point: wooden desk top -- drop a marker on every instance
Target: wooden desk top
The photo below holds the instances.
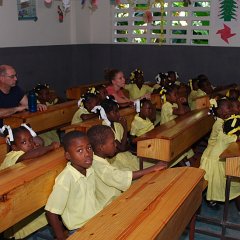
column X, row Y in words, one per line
column 170, row 140
column 157, row 206
column 54, row 116
column 25, row 186
column 232, row 151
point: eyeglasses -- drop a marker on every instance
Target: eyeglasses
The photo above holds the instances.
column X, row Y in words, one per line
column 11, row 76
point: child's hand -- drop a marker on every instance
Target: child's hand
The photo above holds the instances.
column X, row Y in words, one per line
column 55, row 145
column 182, row 100
column 147, row 96
column 160, row 166
column 123, row 122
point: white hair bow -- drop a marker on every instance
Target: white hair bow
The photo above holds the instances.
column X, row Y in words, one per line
column 9, row 137
column 103, row 114
column 137, row 105
column 33, row 134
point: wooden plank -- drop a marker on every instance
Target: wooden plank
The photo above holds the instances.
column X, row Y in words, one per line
column 55, row 116
column 158, row 206
column 170, row 140
column 25, row 187
column 3, row 149
column 202, row 102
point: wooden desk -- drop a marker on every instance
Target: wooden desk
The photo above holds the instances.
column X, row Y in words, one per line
column 168, row 141
column 128, row 113
column 77, row 91
column 202, row 102
column 25, row 187
column 158, row 206
column 55, row 116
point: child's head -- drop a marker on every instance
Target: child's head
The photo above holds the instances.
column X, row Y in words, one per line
column 136, row 76
column 89, row 101
column 161, row 78
column 78, row 150
column 170, row 91
column 193, row 84
column 102, row 140
column 233, row 93
column 222, row 109
column 111, row 109
column 172, row 76
column 205, row 85
column 116, row 77
column 101, row 92
column 146, row 108
column 232, row 125
column 20, row 139
column 235, row 106
column 43, row 92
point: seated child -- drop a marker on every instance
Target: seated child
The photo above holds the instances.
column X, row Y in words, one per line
column 45, row 95
column 173, row 78
column 86, row 103
column 173, row 105
column 235, row 106
column 143, row 121
column 161, row 80
column 204, row 87
column 101, row 92
column 110, row 180
column 23, row 147
column 73, row 196
column 215, row 166
column 193, row 83
column 233, row 93
column 137, row 89
column 221, row 110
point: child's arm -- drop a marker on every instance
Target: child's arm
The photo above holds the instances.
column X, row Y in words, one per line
column 159, row 166
column 56, row 224
column 122, row 146
column 88, row 116
column 37, row 152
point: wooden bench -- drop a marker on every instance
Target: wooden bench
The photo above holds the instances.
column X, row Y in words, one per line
column 128, row 113
column 55, row 116
column 77, row 91
column 202, row 102
column 158, row 206
column 168, row 141
column 25, row 186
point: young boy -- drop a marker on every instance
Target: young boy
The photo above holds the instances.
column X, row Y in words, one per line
column 110, row 181
column 73, row 196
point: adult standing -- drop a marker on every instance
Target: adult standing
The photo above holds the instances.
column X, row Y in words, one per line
column 12, row 97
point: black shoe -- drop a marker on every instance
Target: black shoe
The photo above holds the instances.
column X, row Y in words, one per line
column 213, row 205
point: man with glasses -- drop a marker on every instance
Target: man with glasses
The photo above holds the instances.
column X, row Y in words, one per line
column 12, row 97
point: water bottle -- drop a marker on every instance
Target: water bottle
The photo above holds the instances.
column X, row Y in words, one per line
column 32, row 101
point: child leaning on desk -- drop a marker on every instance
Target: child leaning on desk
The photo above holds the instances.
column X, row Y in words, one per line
column 111, row 181
column 22, row 141
column 215, row 166
column 73, row 196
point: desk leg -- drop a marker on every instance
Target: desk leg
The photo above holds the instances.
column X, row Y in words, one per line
column 140, row 163
column 192, row 227
column 226, row 205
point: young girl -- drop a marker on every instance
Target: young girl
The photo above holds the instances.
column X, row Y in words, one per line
column 220, row 110
column 193, row 84
column 45, row 95
column 22, row 147
column 161, row 80
column 86, row 103
column 143, row 121
column 115, row 89
column 204, row 87
column 137, row 89
column 101, row 92
column 173, row 78
column 215, row 166
column 173, row 105
column 233, row 93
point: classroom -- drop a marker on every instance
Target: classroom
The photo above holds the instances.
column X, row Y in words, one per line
column 73, row 50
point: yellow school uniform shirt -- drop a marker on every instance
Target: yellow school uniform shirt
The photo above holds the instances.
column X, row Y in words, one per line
column 139, row 126
column 215, row 171
column 216, row 129
column 135, row 92
column 77, row 115
column 191, row 99
column 123, row 160
column 200, row 93
column 11, row 158
column 167, row 112
column 74, row 197
column 110, row 181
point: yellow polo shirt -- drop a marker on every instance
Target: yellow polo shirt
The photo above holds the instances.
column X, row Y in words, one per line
column 135, row 92
column 77, row 115
column 110, row 181
column 200, row 93
column 140, row 126
column 191, row 99
column 167, row 112
column 73, row 197
column 11, row 158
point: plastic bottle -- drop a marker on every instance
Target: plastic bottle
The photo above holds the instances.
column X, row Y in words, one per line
column 32, row 101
